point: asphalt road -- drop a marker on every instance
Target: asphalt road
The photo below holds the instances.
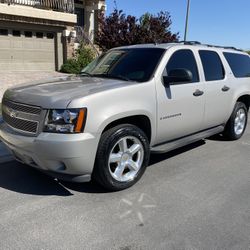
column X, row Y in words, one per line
column 195, row 198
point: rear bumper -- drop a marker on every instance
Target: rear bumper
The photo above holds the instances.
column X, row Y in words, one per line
column 66, row 156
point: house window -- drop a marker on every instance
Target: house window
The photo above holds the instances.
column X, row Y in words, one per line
column 39, row 35
column 3, row 32
column 50, row 35
column 16, row 33
column 28, row 33
column 80, row 16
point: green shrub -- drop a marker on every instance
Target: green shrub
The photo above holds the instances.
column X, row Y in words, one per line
column 84, row 55
column 71, row 66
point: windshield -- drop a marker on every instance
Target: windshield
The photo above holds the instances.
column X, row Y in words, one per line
column 136, row 64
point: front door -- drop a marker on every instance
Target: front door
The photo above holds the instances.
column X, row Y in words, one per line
column 180, row 110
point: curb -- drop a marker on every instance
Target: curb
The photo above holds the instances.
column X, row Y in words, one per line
column 5, row 155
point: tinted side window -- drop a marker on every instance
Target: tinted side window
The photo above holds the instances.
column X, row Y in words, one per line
column 240, row 64
column 212, row 65
column 184, row 59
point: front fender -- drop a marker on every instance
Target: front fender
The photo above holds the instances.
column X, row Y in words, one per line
column 109, row 106
column 125, row 115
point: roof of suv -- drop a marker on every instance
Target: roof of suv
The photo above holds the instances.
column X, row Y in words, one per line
column 169, row 45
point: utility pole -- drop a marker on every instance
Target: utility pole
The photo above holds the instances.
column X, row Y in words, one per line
column 187, row 16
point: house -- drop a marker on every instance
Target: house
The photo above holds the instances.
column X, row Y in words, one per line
column 39, row 35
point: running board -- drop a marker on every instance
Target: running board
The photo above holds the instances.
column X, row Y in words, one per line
column 169, row 146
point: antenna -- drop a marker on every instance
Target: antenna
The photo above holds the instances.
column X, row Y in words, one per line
column 187, row 17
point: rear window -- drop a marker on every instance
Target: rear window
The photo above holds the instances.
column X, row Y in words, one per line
column 212, row 65
column 240, row 64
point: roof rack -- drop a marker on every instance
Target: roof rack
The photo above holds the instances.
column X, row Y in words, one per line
column 208, row 45
column 190, row 42
column 222, row 47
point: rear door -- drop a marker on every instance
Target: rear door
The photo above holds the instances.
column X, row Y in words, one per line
column 218, row 88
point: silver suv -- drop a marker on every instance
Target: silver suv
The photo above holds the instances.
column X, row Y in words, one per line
column 128, row 102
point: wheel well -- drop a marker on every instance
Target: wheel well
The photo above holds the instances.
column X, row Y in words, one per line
column 140, row 121
column 245, row 99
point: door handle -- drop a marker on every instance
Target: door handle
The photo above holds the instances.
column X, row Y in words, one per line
column 225, row 88
column 198, row 92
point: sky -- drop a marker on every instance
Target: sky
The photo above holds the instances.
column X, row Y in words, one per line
column 219, row 22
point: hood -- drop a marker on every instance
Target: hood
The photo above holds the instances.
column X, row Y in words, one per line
column 59, row 92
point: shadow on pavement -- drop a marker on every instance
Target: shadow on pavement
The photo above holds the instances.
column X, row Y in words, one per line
column 156, row 158
column 20, row 178
column 88, row 187
column 218, row 137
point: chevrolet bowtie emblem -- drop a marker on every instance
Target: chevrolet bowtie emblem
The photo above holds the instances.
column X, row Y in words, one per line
column 12, row 113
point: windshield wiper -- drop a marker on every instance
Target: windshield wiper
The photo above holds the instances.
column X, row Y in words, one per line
column 120, row 77
column 85, row 74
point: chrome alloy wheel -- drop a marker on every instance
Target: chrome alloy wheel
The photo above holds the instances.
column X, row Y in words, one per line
column 126, row 158
column 240, row 121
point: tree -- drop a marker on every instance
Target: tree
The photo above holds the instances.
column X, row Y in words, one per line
column 156, row 28
column 119, row 29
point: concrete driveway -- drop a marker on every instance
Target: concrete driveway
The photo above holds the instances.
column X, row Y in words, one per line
column 194, row 198
column 10, row 79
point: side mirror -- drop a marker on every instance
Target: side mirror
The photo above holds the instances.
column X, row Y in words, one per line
column 176, row 76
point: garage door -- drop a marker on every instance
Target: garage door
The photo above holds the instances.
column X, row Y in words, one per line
column 26, row 50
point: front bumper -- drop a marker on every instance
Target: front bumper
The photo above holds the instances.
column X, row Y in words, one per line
column 66, row 156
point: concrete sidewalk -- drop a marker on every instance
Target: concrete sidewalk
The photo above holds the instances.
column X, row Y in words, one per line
column 10, row 79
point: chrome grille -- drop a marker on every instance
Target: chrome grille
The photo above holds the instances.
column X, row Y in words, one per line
column 22, row 107
column 21, row 117
column 23, row 125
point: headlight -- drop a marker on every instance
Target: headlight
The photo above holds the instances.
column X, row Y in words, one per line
column 65, row 120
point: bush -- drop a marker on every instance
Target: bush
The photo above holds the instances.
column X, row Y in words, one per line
column 71, row 66
column 84, row 55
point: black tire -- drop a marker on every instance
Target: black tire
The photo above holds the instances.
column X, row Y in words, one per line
column 229, row 132
column 108, row 140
